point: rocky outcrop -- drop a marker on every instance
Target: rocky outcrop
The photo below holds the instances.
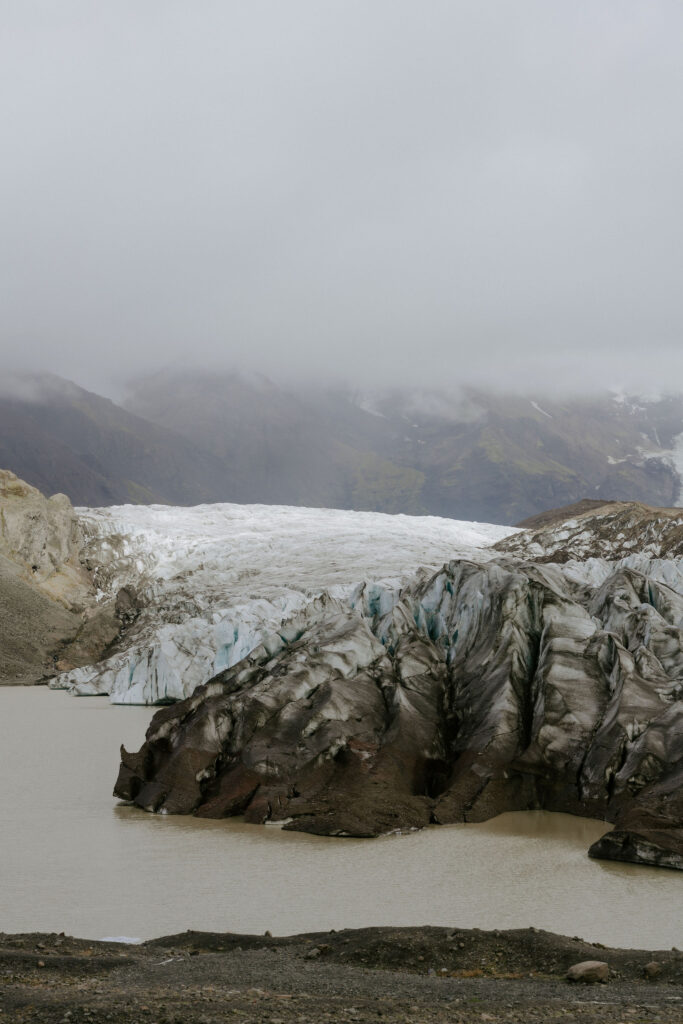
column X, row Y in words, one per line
column 42, row 538
column 491, row 686
column 50, row 619
column 649, row 827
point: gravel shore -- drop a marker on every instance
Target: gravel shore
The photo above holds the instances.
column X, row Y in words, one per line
column 394, row 974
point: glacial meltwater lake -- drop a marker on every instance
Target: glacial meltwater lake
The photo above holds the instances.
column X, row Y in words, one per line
column 73, row 859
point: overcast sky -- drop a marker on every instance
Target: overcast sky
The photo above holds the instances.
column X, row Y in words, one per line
column 436, row 191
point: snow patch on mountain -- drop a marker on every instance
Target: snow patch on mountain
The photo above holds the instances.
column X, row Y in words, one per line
column 537, row 407
column 676, row 458
column 214, row 582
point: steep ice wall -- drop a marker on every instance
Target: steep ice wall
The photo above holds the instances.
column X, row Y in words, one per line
column 212, row 583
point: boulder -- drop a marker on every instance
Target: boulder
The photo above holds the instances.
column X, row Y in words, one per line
column 589, row 971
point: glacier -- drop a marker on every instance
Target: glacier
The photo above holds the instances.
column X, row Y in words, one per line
column 496, row 684
column 214, row 582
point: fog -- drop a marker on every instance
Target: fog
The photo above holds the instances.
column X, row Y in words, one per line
column 385, row 192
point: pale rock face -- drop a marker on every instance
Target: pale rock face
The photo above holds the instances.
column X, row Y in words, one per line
column 213, row 581
column 49, row 617
column 42, row 538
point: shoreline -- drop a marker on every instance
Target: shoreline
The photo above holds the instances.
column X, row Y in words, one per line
column 425, row 974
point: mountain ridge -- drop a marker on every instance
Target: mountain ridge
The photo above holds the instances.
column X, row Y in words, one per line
column 187, row 438
column 61, row 438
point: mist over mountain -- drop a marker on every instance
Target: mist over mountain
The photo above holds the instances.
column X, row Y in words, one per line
column 464, row 453
column 192, row 437
column 62, row 438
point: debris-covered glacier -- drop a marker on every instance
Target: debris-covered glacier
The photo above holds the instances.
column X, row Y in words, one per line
column 495, row 685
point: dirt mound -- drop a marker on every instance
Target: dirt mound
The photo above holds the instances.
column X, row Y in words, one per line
column 614, row 530
column 559, row 515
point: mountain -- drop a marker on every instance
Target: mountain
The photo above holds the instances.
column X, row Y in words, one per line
column 465, row 454
column 61, row 438
column 285, row 446
column 191, row 437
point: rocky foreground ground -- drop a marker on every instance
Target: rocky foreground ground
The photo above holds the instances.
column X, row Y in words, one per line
column 404, row 975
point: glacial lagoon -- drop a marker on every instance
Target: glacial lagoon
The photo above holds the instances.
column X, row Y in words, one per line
column 75, row 860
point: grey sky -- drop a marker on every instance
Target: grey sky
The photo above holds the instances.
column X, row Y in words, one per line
column 437, row 191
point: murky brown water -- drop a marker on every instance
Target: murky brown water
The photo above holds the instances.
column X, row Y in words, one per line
column 73, row 860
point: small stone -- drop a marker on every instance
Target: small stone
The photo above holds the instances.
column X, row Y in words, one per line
column 41, row 963
column 312, row 953
column 268, row 934
column 652, row 970
column 588, row 971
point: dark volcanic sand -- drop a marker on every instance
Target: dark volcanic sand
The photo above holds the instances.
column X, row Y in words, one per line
column 410, row 974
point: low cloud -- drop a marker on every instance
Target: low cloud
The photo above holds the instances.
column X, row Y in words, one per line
column 381, row 193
